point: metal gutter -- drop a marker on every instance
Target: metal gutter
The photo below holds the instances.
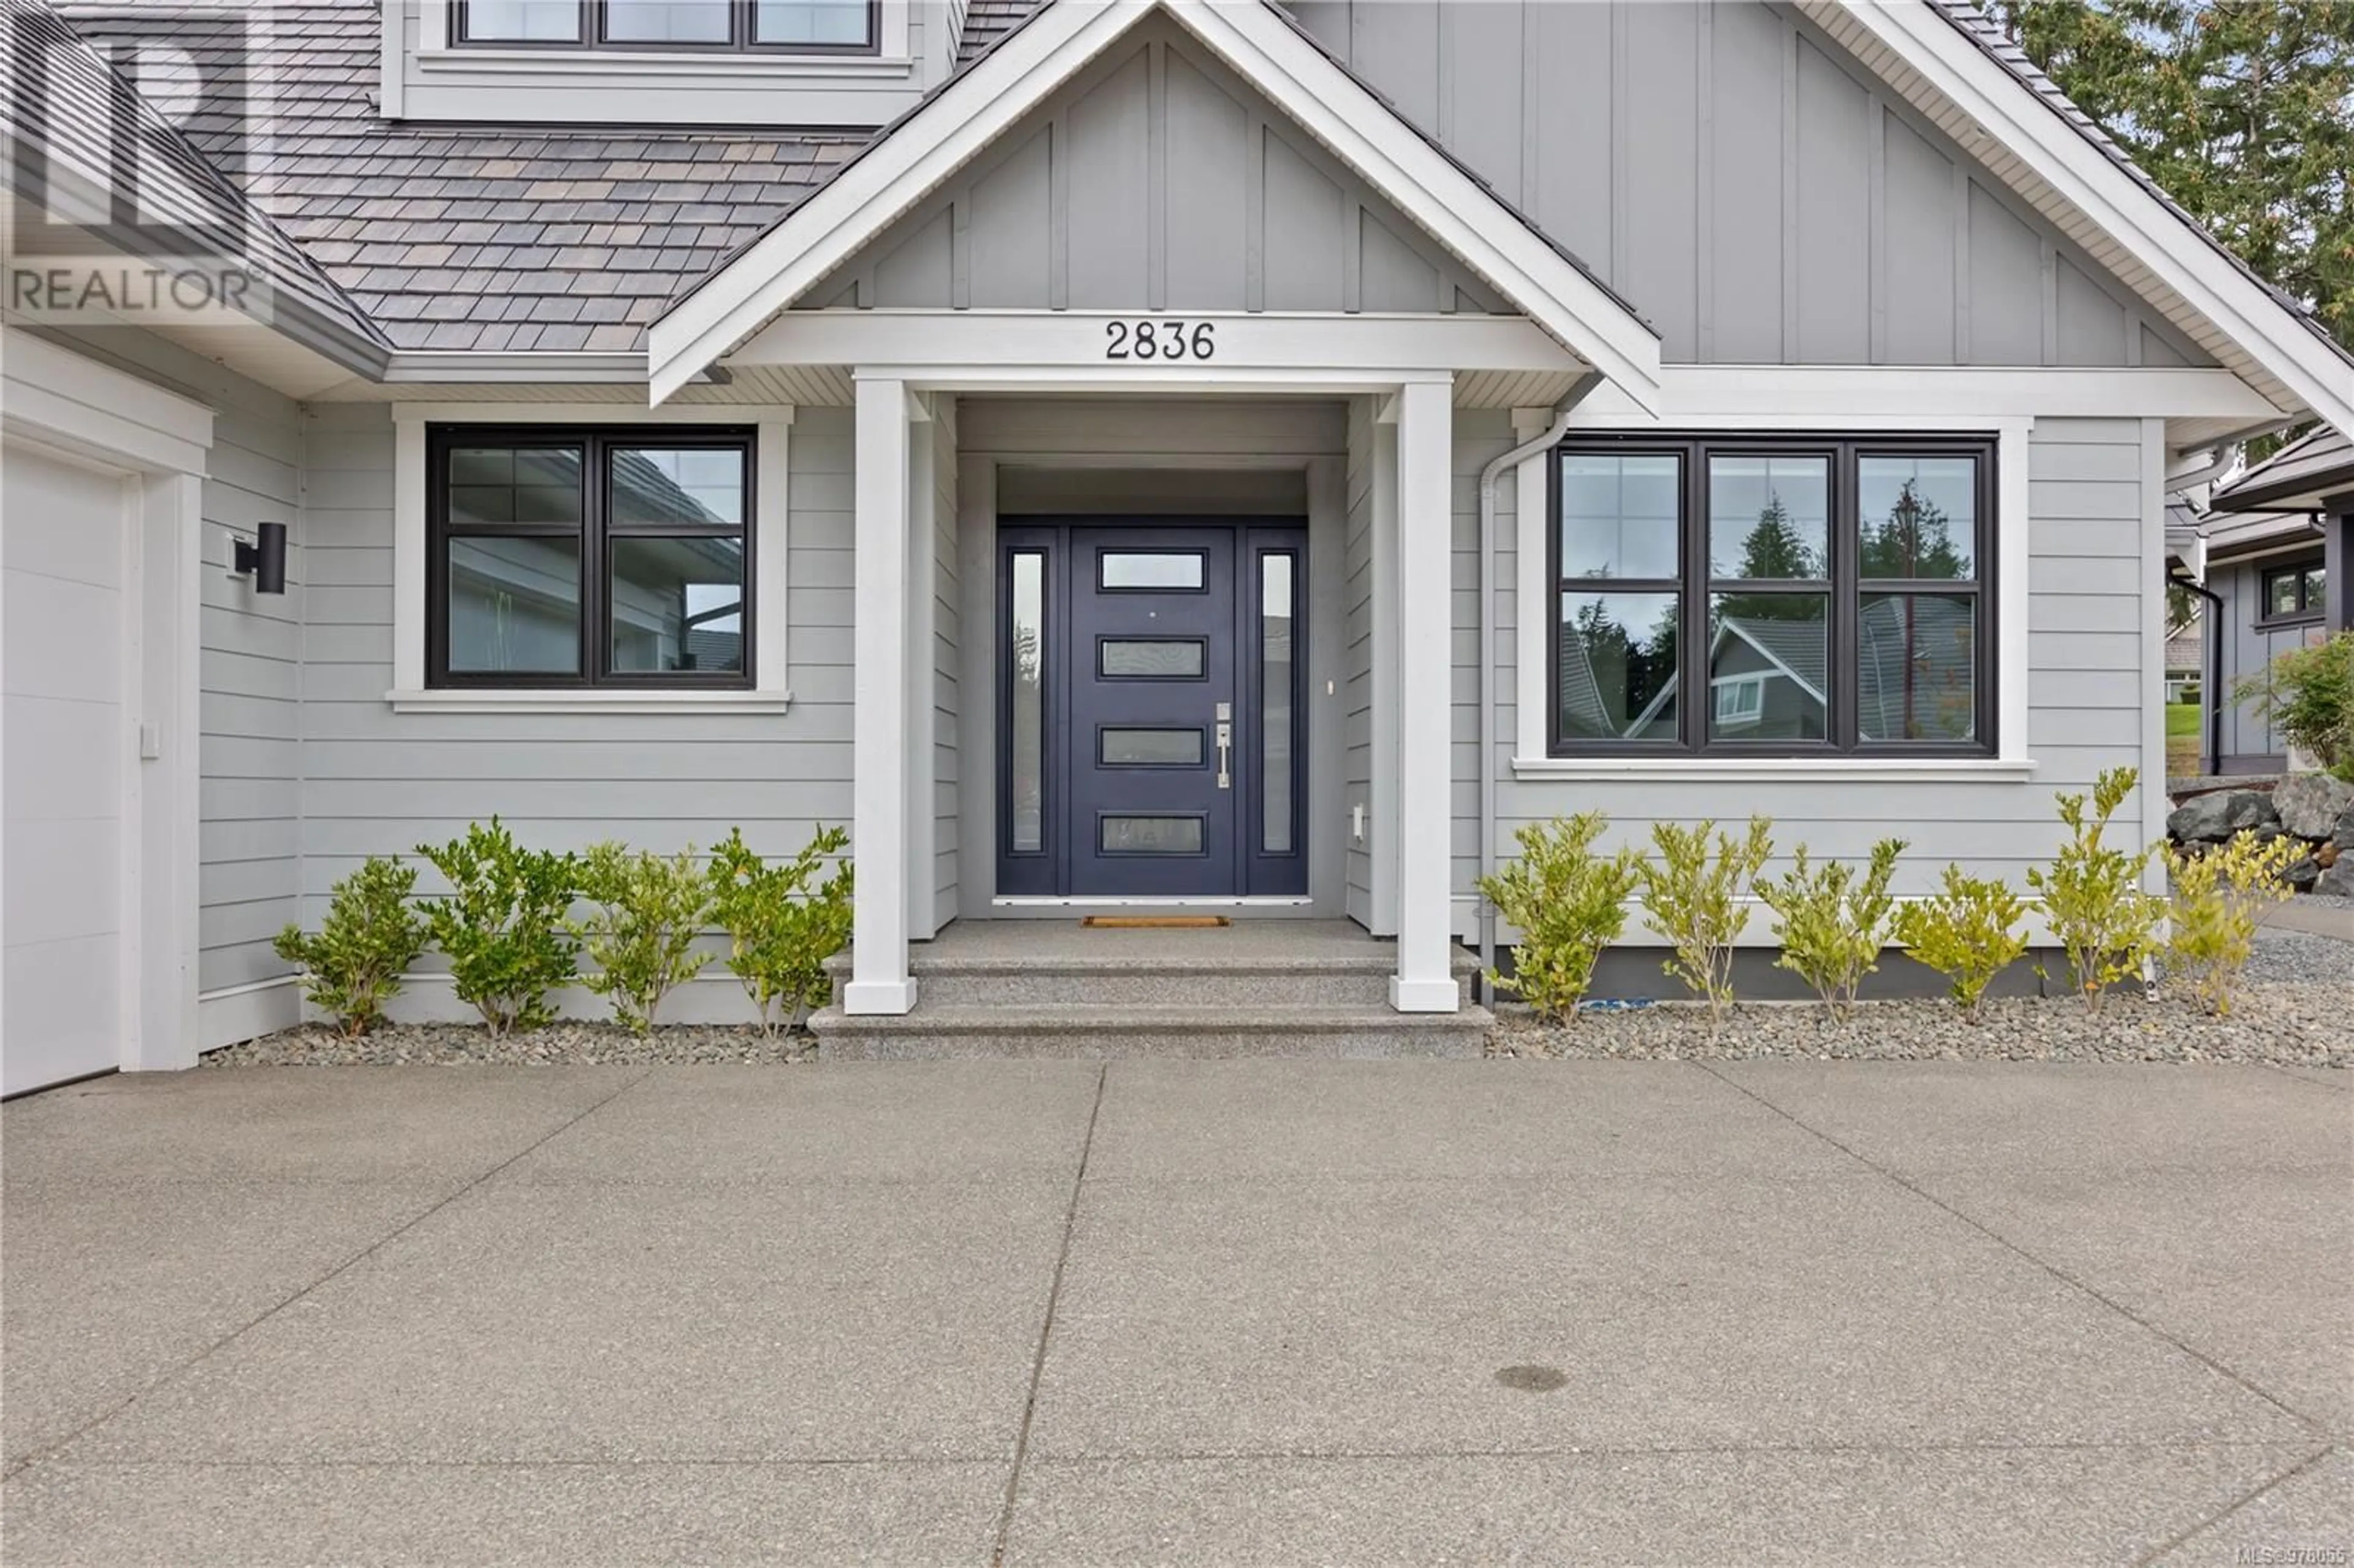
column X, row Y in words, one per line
column 1488, row 475
column 627, row 368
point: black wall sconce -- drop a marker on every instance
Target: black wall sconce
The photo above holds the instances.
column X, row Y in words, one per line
column 264, row 556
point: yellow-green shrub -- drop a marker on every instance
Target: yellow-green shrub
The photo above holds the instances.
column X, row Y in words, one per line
column 2093, row 897
column 1834, row 921
column 1693, row 899
column 2219, row 896
column 1970, row 931
column 1567, row 903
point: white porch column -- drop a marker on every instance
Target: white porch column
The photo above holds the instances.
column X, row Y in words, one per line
column 1424, row 982
column 879, row 981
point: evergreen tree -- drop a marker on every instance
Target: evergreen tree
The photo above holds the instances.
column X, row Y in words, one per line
column 1914, row 540
column 2243, row 111
column 1773, row 548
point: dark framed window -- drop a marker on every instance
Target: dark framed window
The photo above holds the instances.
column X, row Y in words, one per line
column 2297, row 592
column 589, row 558
column 796, row 26
column 1777, row 595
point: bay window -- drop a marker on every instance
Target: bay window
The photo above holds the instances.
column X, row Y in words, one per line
column 1824, row 594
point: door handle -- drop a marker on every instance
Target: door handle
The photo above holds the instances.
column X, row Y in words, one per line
column 1225, row 746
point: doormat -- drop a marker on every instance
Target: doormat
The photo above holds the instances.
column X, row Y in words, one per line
column 1155, row 922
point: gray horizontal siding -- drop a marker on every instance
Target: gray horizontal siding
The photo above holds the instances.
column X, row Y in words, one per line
column 947, row 699
column 1357, row 599
column 380, row 782
column 249, row 662
column 1757, row 196
column 2084, row 675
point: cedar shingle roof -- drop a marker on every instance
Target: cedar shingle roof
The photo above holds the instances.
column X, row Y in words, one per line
column 468, row 237
column 986, row 21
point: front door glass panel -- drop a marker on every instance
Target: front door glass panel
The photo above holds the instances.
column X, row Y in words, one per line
column 1150, row 709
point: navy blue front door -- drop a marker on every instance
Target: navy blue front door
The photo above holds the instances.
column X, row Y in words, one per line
column 1150, row 719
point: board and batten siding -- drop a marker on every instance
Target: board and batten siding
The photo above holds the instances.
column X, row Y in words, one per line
column 1159, row 181
column 250, row 664
column 2249, row 647
column 376, row 781
column 2085, row 634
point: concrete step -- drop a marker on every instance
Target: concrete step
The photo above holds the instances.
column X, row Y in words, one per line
column 1088, row 1032
column 950, row 978
column 1113, row 984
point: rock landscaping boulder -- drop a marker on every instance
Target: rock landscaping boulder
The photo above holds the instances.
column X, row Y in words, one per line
column 2302, row 875
column 2339, row 881
column 2211, row 819
column 2344, row 837
column 2312, row 805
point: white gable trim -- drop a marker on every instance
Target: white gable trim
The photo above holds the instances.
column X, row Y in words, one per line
column 1910, row 36
column 915, row 158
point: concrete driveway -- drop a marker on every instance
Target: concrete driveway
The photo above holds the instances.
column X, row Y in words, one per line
column 1201, row 1313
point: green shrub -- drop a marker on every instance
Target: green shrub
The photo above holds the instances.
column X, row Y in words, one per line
column 781, row 930
column 2093, row 898
column 503, row 924
column 648, row 912
column 1834, row 921
column 1694, row 901
column 370, row 937
column 1970, row 931
column 1568, row 904
column 2219, row 896
column 2307, row 695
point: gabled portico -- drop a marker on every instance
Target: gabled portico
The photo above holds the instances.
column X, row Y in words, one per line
column 1178, row 209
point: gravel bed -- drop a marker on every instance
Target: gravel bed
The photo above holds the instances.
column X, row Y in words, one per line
column 2287, row 957
column 566, row 1044
column 2295, row 1007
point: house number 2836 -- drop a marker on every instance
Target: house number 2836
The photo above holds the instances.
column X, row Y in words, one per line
column 1159, row 340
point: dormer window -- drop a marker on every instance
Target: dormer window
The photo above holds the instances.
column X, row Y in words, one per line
column 800, row 27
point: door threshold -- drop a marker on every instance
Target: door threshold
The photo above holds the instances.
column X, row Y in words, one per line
column 1050, row 902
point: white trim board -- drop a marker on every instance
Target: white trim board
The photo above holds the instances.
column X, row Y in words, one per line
column 158, row 442
column 1787, row 397
column 1036, row 340
column 2013, row 505
column 772, row 452
column 973, row 111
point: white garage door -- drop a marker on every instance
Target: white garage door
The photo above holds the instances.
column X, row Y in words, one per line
column 61, row 685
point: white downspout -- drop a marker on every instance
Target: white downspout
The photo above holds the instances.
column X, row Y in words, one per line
column 1488, row 477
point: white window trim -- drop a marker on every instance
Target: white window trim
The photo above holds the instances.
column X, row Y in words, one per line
column 2009, row 762
column 438, row 50
column 1749, row 689
column 769, row 692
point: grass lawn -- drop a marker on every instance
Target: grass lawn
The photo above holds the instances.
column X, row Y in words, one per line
column 2181, row 738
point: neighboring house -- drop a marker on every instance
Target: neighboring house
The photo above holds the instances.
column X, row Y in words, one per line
column 1199, row 455
column 2186, row 659
column 2277, row 539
